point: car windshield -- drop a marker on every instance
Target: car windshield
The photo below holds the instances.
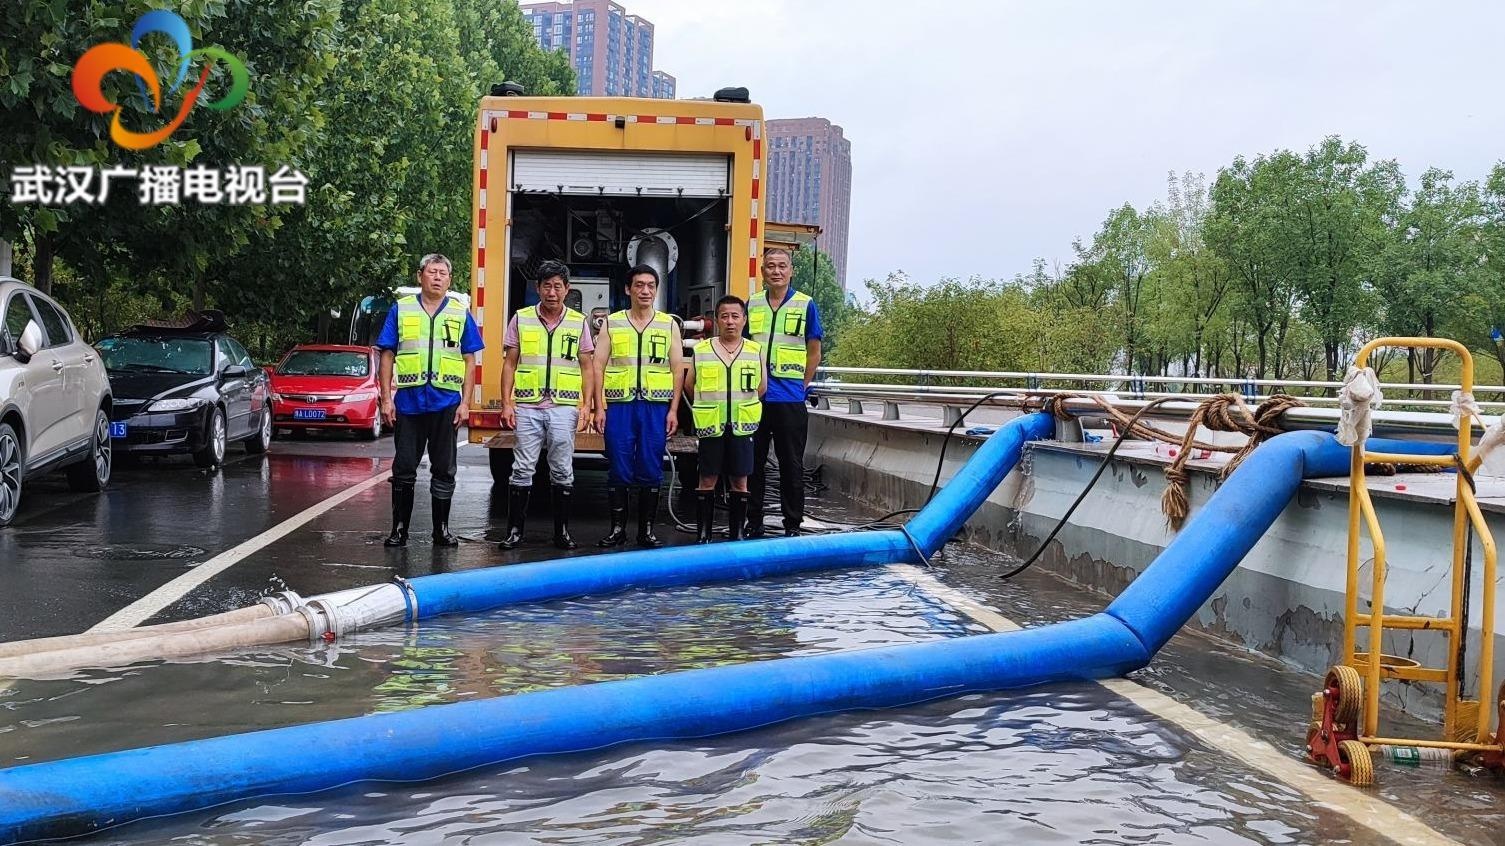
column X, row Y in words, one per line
column 147, row 354
column 324, row 363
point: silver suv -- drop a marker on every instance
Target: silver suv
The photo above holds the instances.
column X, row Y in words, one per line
column 54, row 398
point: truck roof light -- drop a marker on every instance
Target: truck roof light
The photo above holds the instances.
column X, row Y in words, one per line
column 508, row 89
column 731, row 95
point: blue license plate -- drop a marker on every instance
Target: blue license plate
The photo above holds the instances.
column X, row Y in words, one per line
column 308, row 414
column 117, row 430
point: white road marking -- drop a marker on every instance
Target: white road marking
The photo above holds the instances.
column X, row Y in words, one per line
column 1329, row 794
column 148, row 606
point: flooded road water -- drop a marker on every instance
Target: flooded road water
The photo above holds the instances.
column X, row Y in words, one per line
column 1061, row 764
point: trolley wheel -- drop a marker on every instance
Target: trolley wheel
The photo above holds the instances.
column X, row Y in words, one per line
column 1318, row 703
column 1314, row 746
column 1355, row 763
column 1345, row 683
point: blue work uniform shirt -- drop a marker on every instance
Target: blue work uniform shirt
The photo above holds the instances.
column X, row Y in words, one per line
column 427, row 398
column 784, row 389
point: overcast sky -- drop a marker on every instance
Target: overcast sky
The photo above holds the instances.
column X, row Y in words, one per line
column 985, row 134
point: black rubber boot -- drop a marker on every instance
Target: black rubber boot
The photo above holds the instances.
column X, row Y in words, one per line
column 560, row 505
column 705, row 515
column 617, row 500
column 517, row 513
column 647, row 513
column 754, row 521
column 737, row 511
column 402, row 517
column 442, row 536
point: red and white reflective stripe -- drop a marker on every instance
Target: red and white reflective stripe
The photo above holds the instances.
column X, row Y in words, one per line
column 477, row 312
column 757, row 190
column 755, row 127
column 494, row 115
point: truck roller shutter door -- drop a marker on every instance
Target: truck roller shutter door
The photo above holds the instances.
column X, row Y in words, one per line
column 620, row 173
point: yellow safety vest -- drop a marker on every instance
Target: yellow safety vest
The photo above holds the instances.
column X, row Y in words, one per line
column 639, row 364
column 548, row 360
column 781, row 332
column 726, row 394
column 428, row 346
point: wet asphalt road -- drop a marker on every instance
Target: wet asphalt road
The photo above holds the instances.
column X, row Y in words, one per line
column 70, row 560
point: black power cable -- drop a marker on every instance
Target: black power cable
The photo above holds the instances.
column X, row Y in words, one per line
column 1107, row 459
column 1468, row 581
column 882, row 522
column 935, row 483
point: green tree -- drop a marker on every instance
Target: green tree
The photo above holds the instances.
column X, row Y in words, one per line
column 499, row 45
column 1194, row 280
column 1070, row 310
column 1480, row 321
column 1340, row 214
column 1117, row 262
column 815, row 274
column 284, row 46
column 1248, row 228
column 978, row 324
column 1432, row 260
column 392, row 169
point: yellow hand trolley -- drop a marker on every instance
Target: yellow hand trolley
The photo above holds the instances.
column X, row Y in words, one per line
column 1345, row 725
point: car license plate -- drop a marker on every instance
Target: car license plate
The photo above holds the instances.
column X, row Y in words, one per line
column 308, row 414
column 117, row 430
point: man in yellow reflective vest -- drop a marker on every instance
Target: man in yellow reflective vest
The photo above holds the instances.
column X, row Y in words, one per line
column 726, row 387
column 639, row 377
column 428, row 348
column 787, row 325
column 548, row 391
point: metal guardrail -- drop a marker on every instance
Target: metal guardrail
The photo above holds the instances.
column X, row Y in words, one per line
column 1320, row 413
column 1032, row 380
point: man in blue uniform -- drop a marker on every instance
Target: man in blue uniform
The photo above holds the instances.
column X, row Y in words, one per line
column 428, row 348
column 786, row 323
column 639, row 377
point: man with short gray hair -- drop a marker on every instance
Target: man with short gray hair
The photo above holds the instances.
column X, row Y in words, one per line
column 786, row 324
column 429, row 342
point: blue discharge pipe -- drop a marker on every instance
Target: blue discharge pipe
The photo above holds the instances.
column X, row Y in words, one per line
column 493, row 587
column 83, row 794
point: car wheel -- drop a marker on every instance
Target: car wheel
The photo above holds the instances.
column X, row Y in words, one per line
column 93, row 473
column 10, row 474
column 372, row 432
column 213, row 451
column 258, row 443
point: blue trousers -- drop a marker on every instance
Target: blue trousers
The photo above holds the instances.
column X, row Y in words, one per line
column 635, row 441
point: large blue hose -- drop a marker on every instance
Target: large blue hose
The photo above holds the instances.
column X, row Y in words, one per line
column 478, row 590
column 73, row 795
column 1187, row 572
column 83, row 794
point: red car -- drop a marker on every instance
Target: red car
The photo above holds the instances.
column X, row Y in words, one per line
column 328, row 386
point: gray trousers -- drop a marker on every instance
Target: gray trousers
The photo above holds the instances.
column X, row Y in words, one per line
column 545, row 428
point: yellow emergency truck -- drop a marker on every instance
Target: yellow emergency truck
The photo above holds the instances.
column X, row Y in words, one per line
column 603, row 184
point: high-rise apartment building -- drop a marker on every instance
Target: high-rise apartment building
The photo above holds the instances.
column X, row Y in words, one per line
column 810, row 181
column 663, row 85
column 612, row 51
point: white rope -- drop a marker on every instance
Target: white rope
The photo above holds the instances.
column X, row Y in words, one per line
column 1464, row 410
column 1491, row 457
column 1359, row 396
